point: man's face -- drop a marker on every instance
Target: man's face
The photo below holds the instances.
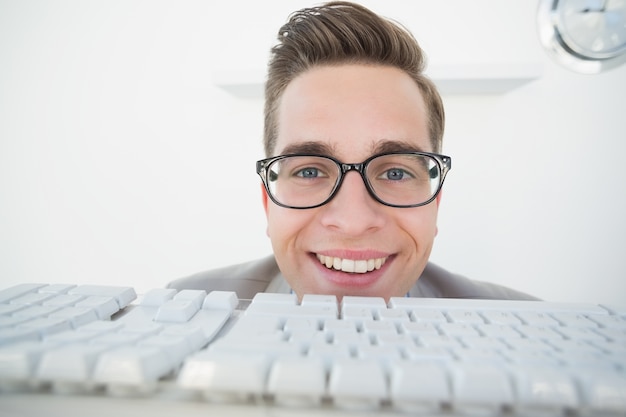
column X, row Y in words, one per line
column 352, row 112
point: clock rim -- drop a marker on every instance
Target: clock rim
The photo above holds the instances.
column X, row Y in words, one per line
column 565, row 50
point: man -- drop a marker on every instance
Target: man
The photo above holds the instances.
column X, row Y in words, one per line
column 353, row 175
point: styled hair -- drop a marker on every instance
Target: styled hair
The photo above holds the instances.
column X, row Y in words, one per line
column 338, row 33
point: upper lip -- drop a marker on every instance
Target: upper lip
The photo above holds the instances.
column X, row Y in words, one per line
column 352, row 254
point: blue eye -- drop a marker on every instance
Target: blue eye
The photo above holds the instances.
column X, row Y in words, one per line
column 308, row 173
column 395, row 174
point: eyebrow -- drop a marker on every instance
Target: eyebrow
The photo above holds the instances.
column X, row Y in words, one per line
column 311, row 147
column 321, row 148
column 385, row 146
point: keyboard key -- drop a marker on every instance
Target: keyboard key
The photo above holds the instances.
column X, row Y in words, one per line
column 501, row 318
column 428, row 316
column 221, row 300
column 539, row 333
column 45, row 326
column 18, row 361
column 378, row 326
column 329, row 301
column 618, row 310
column 569, row 319
column 72, row 363
column 122, row 295
column 357, row 384
column 57, row 288
column 142, row 329
column 501, row 331
column 361, row 308
column 104, row 306
column 458, row 329
column 482, row 388
column 8, row 294
column 271, row 349
column 612, row 321
column 117, row 339
column 422, row 328
column 297, row 380
column 76, row 316
column 100, row 327
column 604, row 391
column 290, row 299
column 384, row 355
column 194, row 336
column 301, row 324
column 545, row 389
column 194, row 296
column 335, row 325
column 209, row 321
column 7, row 309
column 536, row 318
column 438, row 340
column 157, row 297
column 482, row 356
column 253, row 327
column 397, row 316
column 419, row 386
column 286, row 310
column 10, row 322
column 35, row 311
column 435, row 354
column 132, row 366
column 33, row 298
column 176, row 348
column 225, row 376
column 328, row 353
column 357, row 313
column 373, row 303
column 464, row 316
column 177, row 311
column 64, row 300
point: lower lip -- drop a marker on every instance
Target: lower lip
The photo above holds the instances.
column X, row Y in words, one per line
column 351, row 280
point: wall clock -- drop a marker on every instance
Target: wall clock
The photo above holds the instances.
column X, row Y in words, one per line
column 586, row 36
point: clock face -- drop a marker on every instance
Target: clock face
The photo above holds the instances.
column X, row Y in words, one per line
column 593, row 28
column 584, row 35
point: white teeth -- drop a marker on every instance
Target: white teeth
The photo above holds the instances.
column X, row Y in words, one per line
column 337, row 264
column 351, row 265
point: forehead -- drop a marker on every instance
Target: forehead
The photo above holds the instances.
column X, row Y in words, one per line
column 352, row 111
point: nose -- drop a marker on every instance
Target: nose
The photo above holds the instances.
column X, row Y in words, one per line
column 353, row 211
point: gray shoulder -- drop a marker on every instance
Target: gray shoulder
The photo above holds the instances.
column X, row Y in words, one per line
column 438, row 282
column 245, row 279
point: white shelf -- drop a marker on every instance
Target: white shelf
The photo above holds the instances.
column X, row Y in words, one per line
column 450, row 79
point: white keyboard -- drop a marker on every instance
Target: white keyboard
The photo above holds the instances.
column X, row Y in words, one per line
column 275, row 356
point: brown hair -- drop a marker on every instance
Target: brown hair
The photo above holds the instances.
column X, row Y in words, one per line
column 339, row 33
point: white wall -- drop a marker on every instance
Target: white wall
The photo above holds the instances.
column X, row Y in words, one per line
column 122, row 162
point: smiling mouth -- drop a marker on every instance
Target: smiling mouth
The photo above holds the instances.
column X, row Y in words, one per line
column 360, row 266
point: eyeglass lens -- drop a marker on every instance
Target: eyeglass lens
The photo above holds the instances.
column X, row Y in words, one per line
column 395, row 179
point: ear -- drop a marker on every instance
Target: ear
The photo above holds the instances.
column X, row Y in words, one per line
column 264, row 198
column 439, row 197
column 265, row 201
column 438, row 200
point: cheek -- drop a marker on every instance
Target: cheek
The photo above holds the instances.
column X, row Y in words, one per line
column 422, row 226
column 284, row 225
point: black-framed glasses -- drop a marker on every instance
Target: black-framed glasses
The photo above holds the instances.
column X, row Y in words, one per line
column 396, row 179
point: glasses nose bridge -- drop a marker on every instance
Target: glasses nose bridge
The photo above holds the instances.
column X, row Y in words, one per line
column 345, row 168
column 358, row 167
